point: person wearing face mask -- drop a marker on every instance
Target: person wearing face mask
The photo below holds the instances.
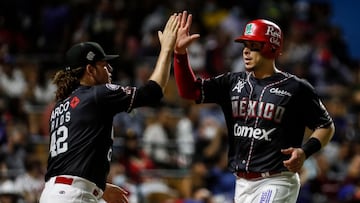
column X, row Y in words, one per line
column 81, row 121
column 266, row 110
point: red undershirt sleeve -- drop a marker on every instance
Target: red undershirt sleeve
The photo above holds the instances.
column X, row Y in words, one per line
column 185, row 78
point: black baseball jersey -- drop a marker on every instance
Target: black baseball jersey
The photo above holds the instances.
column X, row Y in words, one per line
column 81, row 128
column 264, row 116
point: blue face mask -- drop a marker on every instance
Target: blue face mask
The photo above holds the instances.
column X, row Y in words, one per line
column 119, row 180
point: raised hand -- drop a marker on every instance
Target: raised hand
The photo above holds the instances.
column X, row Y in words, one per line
column 184, row 39
column 167, row 38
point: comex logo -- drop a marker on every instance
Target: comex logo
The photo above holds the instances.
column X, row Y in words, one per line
column 250, row 132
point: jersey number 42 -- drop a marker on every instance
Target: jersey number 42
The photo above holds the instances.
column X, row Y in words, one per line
column 58, row 143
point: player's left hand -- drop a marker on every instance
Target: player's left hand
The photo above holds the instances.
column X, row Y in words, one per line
column 115, row 194
column 296, row 160
column 184, row 39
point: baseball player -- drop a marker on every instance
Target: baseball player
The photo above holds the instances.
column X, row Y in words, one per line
column 266, row 111
column 81, row 121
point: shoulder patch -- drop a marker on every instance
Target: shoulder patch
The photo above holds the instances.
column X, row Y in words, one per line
column 74, row 102
column 112, row 87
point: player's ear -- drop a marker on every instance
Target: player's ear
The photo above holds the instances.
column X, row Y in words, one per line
column 90, row 74
column 90, row 70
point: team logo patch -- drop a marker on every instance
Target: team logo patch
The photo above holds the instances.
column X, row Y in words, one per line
column 74, row 102
column 249, row 29
column 112, row 87
column 274, row 35
column 239, row 86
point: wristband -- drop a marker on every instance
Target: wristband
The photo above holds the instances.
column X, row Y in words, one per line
column 311, row 146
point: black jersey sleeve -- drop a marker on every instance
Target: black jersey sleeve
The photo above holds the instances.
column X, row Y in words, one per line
column 214, row 90
column 316, row 115
column 116, row 98
column 148, row 95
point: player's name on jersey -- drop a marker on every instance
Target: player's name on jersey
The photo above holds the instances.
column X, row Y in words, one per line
column 60, row 115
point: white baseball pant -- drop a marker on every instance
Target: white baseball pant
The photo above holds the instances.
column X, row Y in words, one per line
column 70, row 189
column 280, row 188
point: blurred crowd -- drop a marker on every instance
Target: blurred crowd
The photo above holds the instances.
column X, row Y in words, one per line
column 175, row 152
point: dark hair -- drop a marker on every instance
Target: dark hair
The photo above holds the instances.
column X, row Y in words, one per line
column 67, row 81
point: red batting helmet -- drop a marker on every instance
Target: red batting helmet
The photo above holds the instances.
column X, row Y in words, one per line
column 265, row 31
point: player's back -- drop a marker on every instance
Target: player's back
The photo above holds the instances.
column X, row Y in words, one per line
column 80, row 133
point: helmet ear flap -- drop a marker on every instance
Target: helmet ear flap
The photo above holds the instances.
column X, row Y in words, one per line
column 269, row 51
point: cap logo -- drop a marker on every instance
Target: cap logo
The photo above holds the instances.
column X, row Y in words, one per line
column 90, row 56
column 274, row 34
column 249, row 29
